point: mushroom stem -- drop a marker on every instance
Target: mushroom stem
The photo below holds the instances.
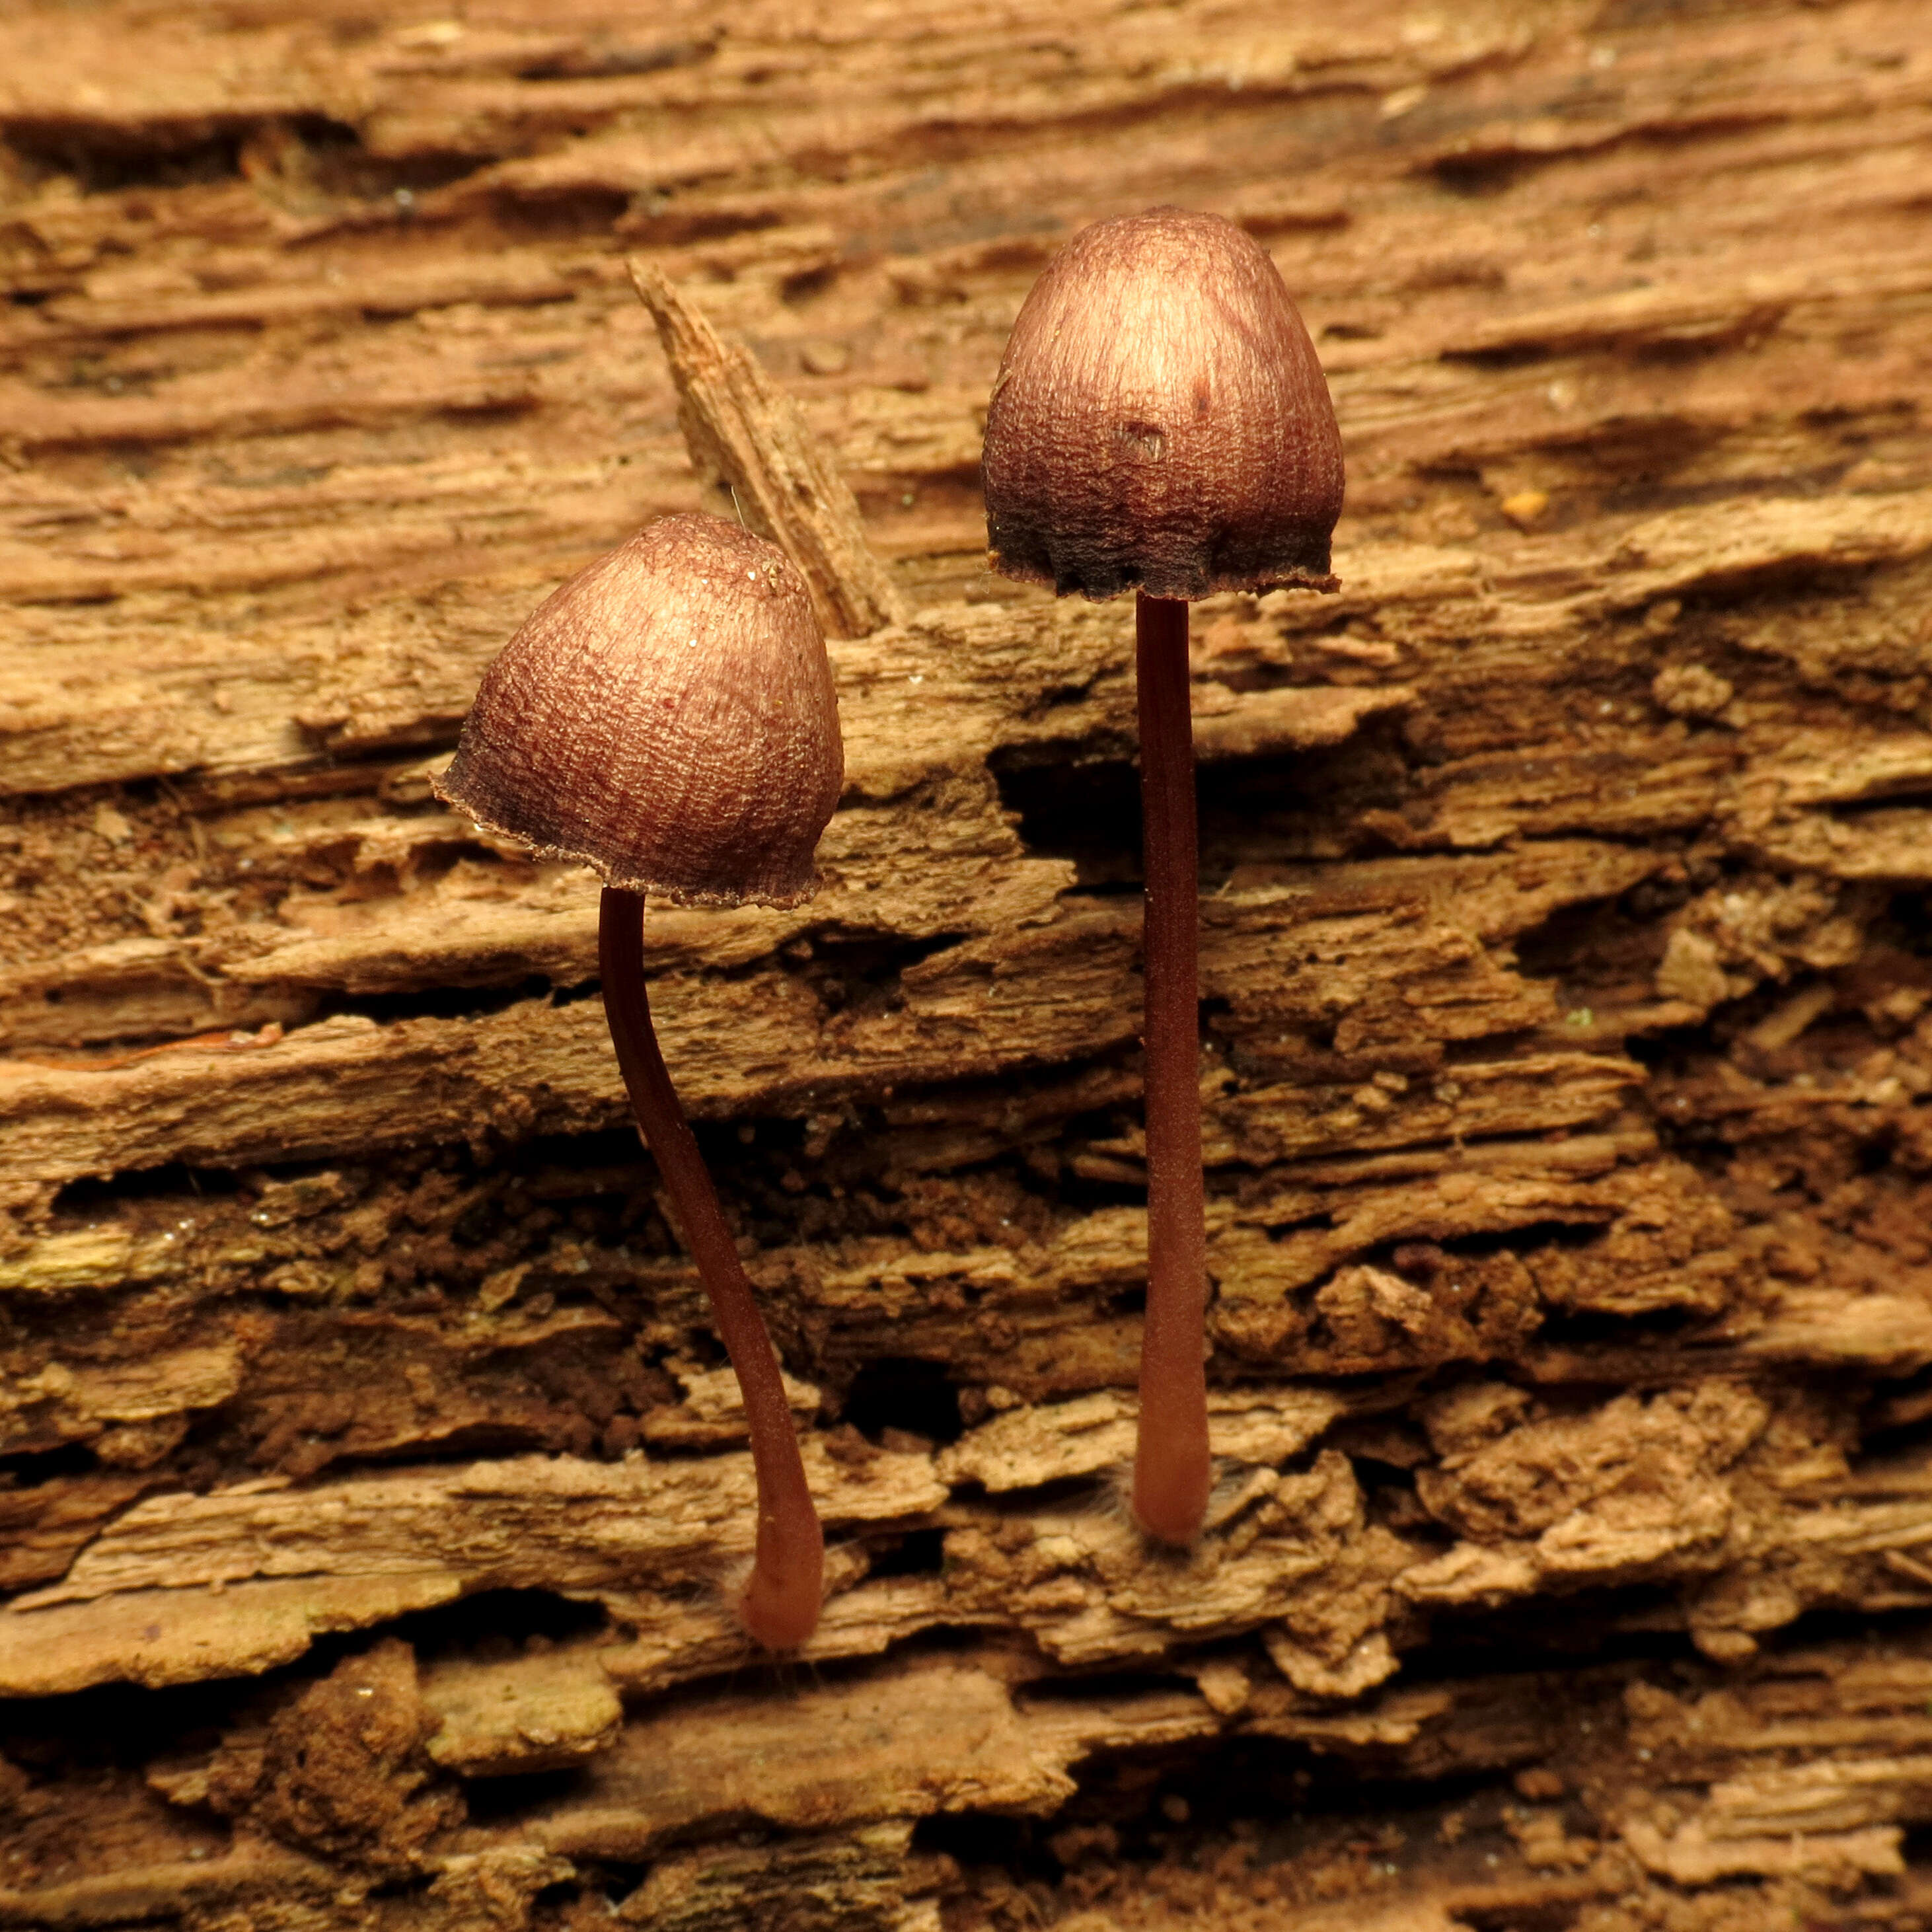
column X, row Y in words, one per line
column 780, row 1604
column 1172, row 1474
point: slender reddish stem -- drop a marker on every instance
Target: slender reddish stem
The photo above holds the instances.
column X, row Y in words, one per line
column 1172, row 1474
column 780, row 1604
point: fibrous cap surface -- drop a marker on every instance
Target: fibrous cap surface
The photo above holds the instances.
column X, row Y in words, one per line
column 1160, row 421
column 666, row 717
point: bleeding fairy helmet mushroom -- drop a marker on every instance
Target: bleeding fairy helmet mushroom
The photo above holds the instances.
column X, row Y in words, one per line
column 1161, row 423
column 666, row 717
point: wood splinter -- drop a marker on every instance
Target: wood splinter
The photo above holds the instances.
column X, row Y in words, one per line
column 745, row 432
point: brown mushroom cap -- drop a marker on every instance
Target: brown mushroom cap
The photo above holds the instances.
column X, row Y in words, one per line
column 1161, row 421
column 666, row 717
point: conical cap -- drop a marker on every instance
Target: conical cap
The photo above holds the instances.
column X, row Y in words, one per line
column 666, row 717
column 1160, row 422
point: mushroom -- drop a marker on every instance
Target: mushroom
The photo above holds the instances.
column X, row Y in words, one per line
column 1160, row 423
column 666, row 717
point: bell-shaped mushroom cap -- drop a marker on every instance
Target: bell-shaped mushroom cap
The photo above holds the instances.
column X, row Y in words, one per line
column 1160, row 422
column 666, row 717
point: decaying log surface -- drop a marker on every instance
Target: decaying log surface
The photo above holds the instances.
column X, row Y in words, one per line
column 372, row 1478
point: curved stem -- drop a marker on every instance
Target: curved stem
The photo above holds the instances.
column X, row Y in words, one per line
column 1172, row 1472
column 780, row 1604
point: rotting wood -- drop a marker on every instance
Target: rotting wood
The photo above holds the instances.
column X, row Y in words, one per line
column 1564, row 950
column 746, row 436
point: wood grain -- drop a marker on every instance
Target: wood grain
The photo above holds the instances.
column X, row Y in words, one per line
column 372, row 1487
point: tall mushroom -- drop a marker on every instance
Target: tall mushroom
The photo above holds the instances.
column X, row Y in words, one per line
column 666, row 717
column 1160, row 423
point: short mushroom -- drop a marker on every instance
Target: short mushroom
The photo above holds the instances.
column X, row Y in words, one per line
column 666, row 717
column 1160, row 423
